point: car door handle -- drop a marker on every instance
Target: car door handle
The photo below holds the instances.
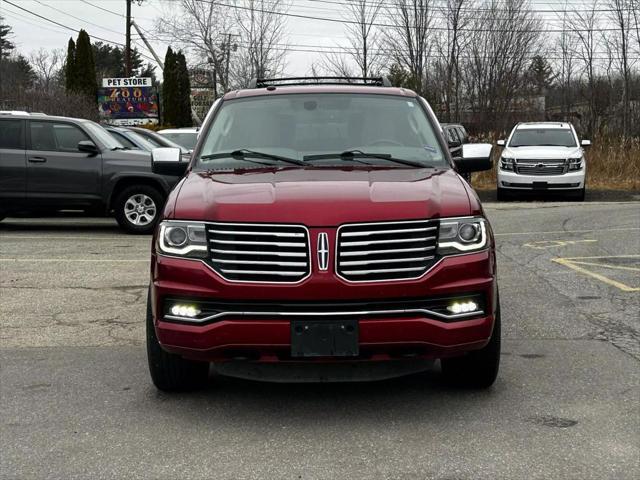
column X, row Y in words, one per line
column 37, row 159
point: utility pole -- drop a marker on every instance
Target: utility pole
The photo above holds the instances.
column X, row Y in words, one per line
column 127, row 48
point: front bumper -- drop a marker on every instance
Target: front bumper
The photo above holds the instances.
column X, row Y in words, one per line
column 268, row 338
column 567, row 181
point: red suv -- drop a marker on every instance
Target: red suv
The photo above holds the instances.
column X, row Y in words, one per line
column 322, row 220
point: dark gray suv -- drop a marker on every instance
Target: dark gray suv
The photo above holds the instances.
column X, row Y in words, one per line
column 48, row 164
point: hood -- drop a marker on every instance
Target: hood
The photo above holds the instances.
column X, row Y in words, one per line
column 542, row 152
column 322, row 197
column 129, row 157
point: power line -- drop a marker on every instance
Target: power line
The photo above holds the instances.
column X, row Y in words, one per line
column 343, row 21
column 103, row 9
column 77, row 18
column 67, row 27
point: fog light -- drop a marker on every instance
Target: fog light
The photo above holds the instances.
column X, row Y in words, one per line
column 463, row 307
column 188, row 311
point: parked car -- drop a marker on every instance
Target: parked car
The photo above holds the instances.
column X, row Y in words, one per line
column 157, row 140
column 48, row 164
column 543, row 157
column 186, row 137
column 322, row 222
column 456, row 135
column 129, row 139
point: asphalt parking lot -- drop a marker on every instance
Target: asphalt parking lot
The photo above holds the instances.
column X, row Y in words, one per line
column 76, row 400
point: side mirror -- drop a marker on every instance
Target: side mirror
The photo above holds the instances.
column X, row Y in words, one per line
column 87, row 146
column 585, row 143
column 500, row 143
column 476, row 157
column 168, row 161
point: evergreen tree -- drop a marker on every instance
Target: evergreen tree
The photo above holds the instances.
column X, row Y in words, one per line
column 6, row 45
column 540, row 74
column 70, row 75
column 184, row 91
column 85, row 66
column 169, row 89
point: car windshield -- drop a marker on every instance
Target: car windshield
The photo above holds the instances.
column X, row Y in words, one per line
column 185, row 139
column 318, row 128
column 141, row 141
column 552, row 137
column 103, row 136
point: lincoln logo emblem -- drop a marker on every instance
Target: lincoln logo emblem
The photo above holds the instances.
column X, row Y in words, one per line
column 323, row 251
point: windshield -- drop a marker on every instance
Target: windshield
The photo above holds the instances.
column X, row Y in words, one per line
column 303, row 126
column 553, row 137
column 103, row 136
column 141, row 141
column 185, row 139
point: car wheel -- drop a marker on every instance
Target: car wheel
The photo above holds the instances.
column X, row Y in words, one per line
column 137, row 208
column 479, row 368
column 170, row 372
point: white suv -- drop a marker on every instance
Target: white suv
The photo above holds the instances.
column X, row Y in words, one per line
column 543, row 156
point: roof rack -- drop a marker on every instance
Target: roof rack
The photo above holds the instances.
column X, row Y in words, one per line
column 381, row 81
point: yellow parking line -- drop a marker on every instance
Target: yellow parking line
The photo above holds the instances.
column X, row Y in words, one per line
column 568, row 263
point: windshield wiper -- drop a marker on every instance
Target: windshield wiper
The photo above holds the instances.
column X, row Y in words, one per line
column 246, row 154
column 351, row 155
column 120, row 148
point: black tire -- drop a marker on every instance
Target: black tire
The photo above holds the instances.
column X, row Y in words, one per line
column 479, row 368
column 170, row 372
column 145, row 196
column 502, row 194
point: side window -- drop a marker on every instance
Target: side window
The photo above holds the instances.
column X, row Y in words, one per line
column 452, row 136
column 12, row 134
column 123, row 140
column 42, row 137
column 67, row 137
column 464, row 138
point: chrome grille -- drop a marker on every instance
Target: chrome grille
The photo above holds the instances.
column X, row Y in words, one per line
column 541, row 167
column 259, row 252
column 386, row 251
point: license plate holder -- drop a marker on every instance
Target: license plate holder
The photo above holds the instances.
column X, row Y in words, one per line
column 322, row 338
column 540, row 185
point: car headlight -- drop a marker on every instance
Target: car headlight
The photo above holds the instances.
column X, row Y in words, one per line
column 462, row 235
column 507, row 163
column 575, row 163
column 185, row 239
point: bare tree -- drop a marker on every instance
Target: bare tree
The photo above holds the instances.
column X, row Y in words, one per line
column 457, row 16
column 262, row 48
column 363, row 38
column 504, row 34
column 622, row 18
column 200, row 27
column 411, row 37
column 46, row 64
column 584, row 25
column 565, row 48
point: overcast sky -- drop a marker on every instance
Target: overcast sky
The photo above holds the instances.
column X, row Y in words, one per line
column 32, row 33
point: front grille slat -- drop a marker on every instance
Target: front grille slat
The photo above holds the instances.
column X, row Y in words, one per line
column 264, row 253
column 386, row 251
column 541, row 167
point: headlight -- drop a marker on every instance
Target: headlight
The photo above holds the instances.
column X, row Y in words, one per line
column 462, row 235
column 185, row 239
column 507, row 163
column 575, row 163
